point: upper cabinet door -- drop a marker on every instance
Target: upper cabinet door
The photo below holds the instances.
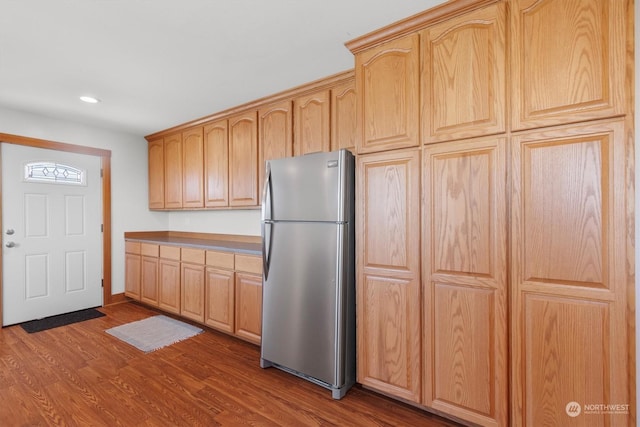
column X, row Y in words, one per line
column 343, row 116
column 216, row 164
column 156, row 174
column 568, row 60
column 387, row 87
column 173, row 171
column 243, row 159
column 275, row 135
column 463, row 76
column 192, row 169
column 311, row 123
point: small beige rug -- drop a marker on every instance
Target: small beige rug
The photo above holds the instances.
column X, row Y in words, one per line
column 153, row 333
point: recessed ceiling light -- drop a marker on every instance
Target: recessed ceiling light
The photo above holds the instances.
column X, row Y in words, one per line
column 90, row 99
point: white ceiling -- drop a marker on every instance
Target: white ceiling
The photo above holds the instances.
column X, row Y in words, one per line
column 159, row 63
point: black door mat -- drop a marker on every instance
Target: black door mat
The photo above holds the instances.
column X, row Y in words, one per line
column 60, row 320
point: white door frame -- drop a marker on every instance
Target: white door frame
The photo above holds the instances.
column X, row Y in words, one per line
column 105, row 156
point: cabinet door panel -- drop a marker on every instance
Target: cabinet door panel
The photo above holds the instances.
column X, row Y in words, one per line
column 132, row 276
column 169, row 285
column 343, row 116
column 388, row 268
column 149, row 280
column 464, row 280
column 216, row 164
column 192, row 291
column 463, row 78
column 578, row 73
column 570, row 286
column 275, row 137
column 387, row 85
column 249, row 307
column 243, row 160
column 312, row 123
column 156, row 174
column 192, row 169
column 173, row 171
column 220, row 299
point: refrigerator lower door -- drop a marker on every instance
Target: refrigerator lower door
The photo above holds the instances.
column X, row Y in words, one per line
column 300, row 329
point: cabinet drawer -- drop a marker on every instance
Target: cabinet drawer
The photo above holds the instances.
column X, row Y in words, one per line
column 195, row 256
column 220, row 259
column 249, row 263
column 149, row 249
column 170, row 252
column 132, row 247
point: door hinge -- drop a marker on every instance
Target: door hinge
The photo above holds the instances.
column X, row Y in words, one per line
column 101, row 173
column 102, row 228
column 102, row 282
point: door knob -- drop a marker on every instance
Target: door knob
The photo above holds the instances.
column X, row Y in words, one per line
column 10, row 244
column 10, row 231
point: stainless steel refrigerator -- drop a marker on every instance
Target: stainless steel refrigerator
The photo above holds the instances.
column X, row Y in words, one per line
column 308, row 294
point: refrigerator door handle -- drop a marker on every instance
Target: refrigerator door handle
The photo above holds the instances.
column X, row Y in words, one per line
column 266, row 221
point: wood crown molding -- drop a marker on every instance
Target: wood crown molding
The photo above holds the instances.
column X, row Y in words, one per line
column 416, row 22
column 324, row 83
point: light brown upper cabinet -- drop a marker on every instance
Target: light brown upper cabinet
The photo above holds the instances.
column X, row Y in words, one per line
column 463, row 75
column 568, row 60
column 570, row 336
column 243, row 159
column 464, row 279
column 276, row 135
column 388, row 306
column 387, row 95
column 343, row 116
column 192, row 168
column 312, row 118
column 156, row 174
column 173, row 171
column 216, row 164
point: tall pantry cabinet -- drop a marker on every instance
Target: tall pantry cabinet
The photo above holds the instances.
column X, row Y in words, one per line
column 495, row 279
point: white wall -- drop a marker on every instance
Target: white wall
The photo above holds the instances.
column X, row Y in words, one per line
column 245, row 222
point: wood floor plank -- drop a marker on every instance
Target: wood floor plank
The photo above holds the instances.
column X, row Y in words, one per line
column 80, row 375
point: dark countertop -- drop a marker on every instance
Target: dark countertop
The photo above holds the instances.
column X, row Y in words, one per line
column 227, row 243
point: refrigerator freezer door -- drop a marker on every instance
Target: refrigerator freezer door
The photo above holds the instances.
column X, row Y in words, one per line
column 308, row 188
column 299, row 319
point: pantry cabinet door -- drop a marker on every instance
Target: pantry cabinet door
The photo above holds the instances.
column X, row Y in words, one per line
column 387, row 86
column 465, row 280
column 574, row 73
column 464, row 75
column 570, row 289
column 388, row 303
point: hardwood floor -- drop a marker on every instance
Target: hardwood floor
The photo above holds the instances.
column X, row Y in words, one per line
column 77, row 375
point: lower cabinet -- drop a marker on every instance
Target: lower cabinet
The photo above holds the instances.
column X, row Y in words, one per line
column 249, row 307
column 149, row 274
column 132, row 270
column 169, row 279
column 220, row 289
column 192, row 281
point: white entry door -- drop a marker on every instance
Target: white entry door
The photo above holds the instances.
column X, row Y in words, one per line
column 52, row 237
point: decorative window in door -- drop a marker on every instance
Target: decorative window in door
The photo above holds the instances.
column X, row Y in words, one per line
column 54, row 173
